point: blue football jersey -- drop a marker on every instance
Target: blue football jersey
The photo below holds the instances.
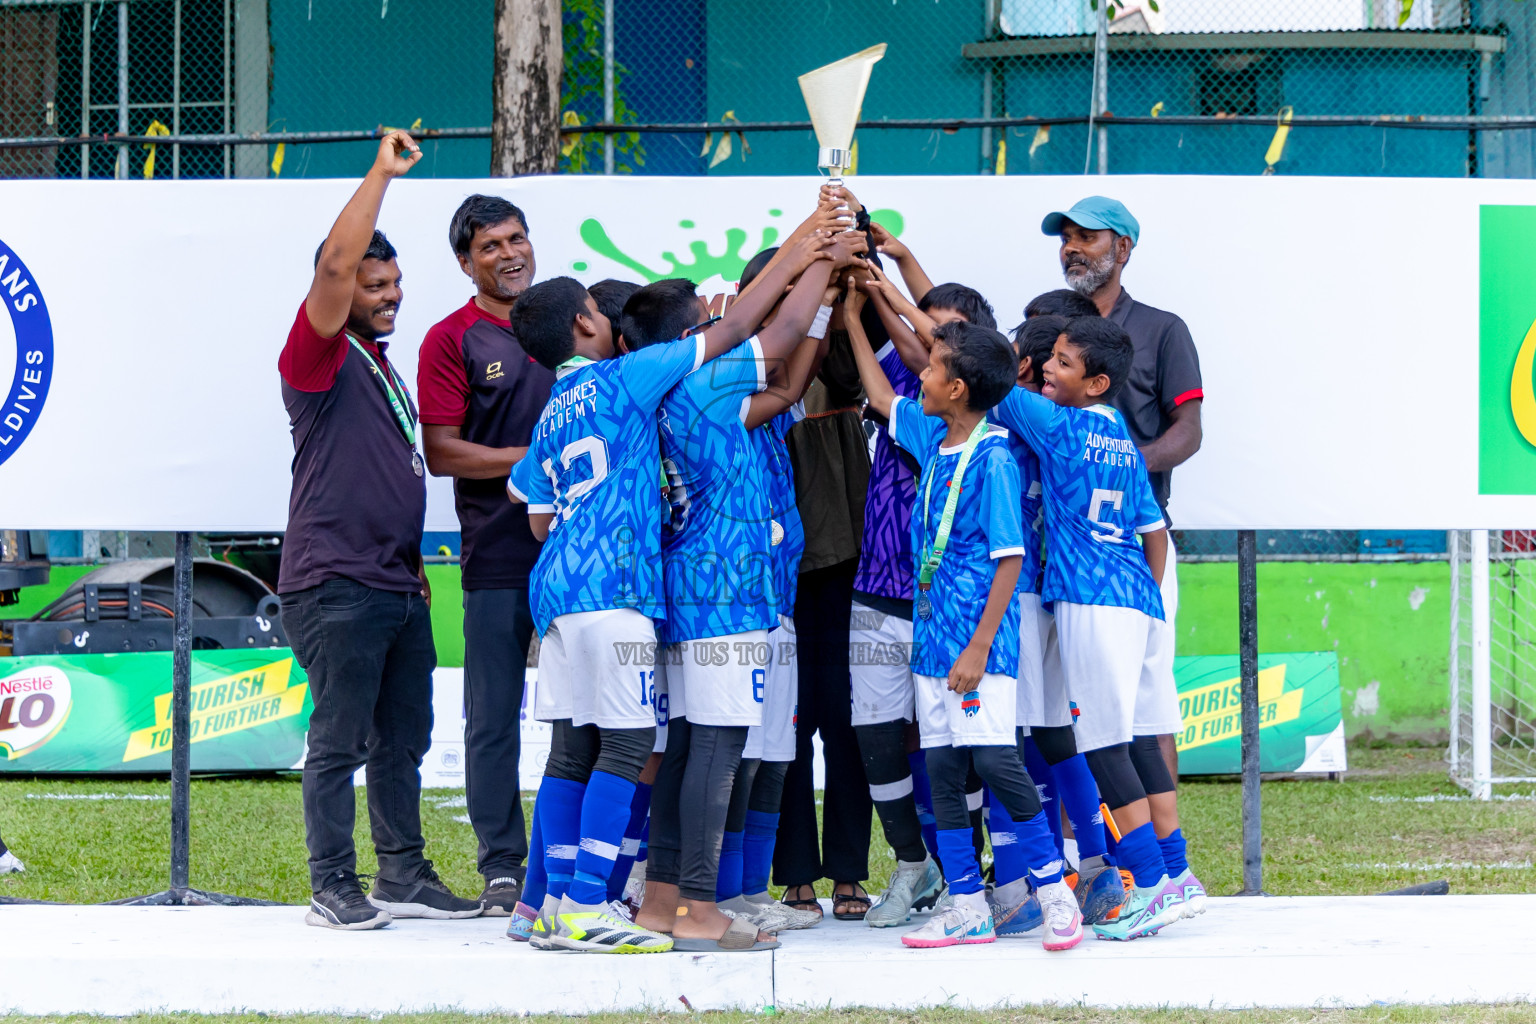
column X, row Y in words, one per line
column 716, row 547
column 594, row 462
column 1097, row 500
column 772, row 450
column 986, row 527
column 1033, row 491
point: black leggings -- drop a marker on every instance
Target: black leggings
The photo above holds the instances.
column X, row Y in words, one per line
column 1119, row 783
column 1151, row 767
column 576, row 751
column 690, row 803
column 768, row 787
column 998, row 767
column 1056, row 743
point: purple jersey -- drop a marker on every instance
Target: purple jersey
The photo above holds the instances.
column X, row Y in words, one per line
column 885, row 561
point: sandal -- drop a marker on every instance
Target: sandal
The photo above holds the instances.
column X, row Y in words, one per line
column 740, row 937
column 855, row 904
column 809, row 903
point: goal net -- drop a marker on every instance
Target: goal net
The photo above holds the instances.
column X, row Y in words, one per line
column 1493, row 658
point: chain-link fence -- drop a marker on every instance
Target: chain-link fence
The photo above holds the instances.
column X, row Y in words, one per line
column 1357, row 87
column 1504, row 700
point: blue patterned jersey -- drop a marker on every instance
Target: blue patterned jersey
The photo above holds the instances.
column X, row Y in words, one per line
column 1033, row 492
column 885, row 554
column 1097, row 499
column 593, row 461
column 779, row 475
column 986, row 527
column 716, row 547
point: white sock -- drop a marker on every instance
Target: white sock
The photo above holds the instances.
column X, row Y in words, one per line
column 973, row 901
column 1012, row 893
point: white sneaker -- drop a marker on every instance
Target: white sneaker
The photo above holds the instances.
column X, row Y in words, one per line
column 765, row 916
column 9, row 864
column 912, row 887
column 634, row 886
column 794, row 917
column 1063, row 917
column 960, row 924
column 541, row 936
column 603, row 929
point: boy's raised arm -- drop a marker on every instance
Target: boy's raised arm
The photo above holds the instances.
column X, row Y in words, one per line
column 748, row 311
column 877, row 388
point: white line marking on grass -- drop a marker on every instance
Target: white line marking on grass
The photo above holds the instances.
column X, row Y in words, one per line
column 1447, row 865
column 462, row 817
column 94, row 796
column 452, row 801
column 1451, row 798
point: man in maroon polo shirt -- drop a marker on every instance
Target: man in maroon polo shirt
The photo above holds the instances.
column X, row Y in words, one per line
column 481, row 395
column 351, row 579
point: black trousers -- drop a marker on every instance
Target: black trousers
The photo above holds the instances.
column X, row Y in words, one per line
column 822, row 607
column 498, row 627
column 369, row 657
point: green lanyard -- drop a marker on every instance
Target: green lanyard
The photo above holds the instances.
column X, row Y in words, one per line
column 574, row 363
column 398, row 401
column 935, row 554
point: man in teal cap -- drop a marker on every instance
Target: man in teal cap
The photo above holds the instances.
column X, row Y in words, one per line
column 1160, row 403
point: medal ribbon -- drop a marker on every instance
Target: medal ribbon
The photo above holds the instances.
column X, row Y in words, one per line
column 935, row 554
column 399, row 401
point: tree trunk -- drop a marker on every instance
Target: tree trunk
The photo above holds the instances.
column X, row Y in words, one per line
column 525, row 119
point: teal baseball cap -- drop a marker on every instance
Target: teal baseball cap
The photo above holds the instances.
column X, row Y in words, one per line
column 1095, row 213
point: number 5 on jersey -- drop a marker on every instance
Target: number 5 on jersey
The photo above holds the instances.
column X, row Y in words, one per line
column 1114, row 499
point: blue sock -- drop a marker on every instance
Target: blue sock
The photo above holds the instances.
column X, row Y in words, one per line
column 757, row 851
column 1007, row 857
column 1044, row 778
column 629, row 850
column 959, row 856
column 604, row 816
column 1038, row 850
column 728, row 878
column 1175, row 856
column 1139, row 854
column 922, row 795
column 559, row 809
column 645, row 836
column 1080, row 795
column 537, row 879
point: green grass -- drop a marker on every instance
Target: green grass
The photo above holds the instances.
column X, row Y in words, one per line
column 1321, row 837
column 1473, row 1014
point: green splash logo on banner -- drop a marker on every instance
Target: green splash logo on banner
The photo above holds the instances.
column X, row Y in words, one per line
column 1506, row 461
column 702, row 264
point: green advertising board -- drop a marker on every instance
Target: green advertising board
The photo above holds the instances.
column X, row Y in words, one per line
column 1301, row 724
column 1507, row 341
column 112, row 712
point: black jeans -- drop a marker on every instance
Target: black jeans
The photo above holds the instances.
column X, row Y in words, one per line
column 369, row 657
column 822, row 606
column 498, row 627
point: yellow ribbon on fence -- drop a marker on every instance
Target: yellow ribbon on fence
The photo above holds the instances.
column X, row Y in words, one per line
column 155, row 128
column 1277, row 144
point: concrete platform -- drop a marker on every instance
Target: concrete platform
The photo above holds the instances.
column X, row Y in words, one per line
column 1297, row 952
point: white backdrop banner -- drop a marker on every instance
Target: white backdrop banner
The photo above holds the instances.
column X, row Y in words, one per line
column 1337, row 322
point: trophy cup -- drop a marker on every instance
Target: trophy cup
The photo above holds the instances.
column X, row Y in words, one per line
column 833, row 95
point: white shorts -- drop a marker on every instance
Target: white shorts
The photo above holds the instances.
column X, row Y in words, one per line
column 597, row 664
column 720, row 681
column 1157, row 699
column 661, row 701
column 1042, row 693
column 982, row 718
column 880, row 666
column 774, row 740
column 1104, row 656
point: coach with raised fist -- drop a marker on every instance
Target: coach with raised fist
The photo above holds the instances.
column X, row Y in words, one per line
column 481, row 395
column 351, row 580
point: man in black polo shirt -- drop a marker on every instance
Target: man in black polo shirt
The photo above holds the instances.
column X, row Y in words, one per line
column 351, row 579
column 480, row 397
column 1160, row 402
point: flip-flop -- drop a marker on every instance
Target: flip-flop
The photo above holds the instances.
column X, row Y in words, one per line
column 740, row 937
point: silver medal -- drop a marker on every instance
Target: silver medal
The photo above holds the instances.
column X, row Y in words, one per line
column 924, row 605
column 416, row 464
column 777, row 532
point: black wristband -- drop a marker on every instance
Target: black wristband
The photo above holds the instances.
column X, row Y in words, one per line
column 861, row 220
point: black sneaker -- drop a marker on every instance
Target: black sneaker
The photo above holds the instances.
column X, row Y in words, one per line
column 342, row 905
column 426, row 897
column 500, row 896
